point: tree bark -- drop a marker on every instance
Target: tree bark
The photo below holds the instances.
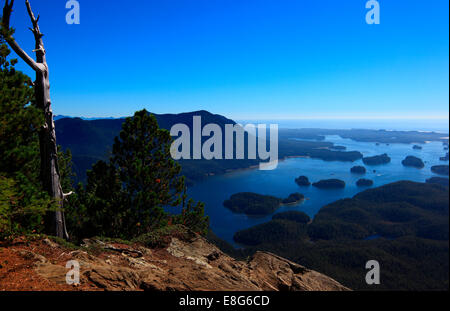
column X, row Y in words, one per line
column 50, row 176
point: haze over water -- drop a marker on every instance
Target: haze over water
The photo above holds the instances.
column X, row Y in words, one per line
column 429, row 125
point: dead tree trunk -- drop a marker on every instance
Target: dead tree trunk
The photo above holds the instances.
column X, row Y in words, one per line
column 50, row 176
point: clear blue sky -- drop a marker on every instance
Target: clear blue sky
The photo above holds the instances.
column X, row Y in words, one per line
column 246, row 59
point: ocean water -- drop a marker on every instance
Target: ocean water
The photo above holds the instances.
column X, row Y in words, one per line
column 280, row 182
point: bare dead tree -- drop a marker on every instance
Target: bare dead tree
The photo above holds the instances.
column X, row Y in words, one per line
column 50, row 176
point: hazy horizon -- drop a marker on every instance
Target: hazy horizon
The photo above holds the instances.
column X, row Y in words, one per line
column 401, row 124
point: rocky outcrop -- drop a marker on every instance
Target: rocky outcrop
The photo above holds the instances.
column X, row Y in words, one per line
column 184, row 265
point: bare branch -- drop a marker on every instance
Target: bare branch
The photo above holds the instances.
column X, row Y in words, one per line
column 68, row 194
column 7, row 13
column 7, row 10
column 34, row 21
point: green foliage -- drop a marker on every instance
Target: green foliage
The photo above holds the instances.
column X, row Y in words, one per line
column 19, row 120
column 192, row 216
column 20, row 213
column 163, row 236
column 127, row 196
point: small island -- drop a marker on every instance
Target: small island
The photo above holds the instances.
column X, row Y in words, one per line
column 364, row 183
column 303, row 181
column 413, row 161
column 417, row 147
column 330, row 184
column 358, row 170
column 293, row 199
column 253, row 204
column 377, row 160
column 340, row 148
column 440, row 169
column 438, row 180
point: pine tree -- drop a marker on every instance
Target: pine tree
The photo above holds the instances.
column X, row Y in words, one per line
column 129, row 195
column 151, row 177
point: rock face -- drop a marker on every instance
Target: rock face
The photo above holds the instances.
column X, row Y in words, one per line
column 330, row 184
column 413, row 162
column 377, row 160
column 358, row 170
column 303, row 181
column 185, row 265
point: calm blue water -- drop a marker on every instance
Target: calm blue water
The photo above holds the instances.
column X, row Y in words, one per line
column 280, row 182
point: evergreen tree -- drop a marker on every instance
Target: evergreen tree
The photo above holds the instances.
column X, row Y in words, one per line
column 128, row 196
column 151, row 177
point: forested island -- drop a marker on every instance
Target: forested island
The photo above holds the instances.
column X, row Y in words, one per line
column 303, row 181
column 377, row 160
column 254, row 204
column 329, row 184
column 413, row 161
column 293, row 198
column 341, row 148
column 440, row 169
column 409, row 220
column 358, row 170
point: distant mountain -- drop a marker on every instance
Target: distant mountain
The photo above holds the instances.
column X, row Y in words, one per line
column 59, row 117
column 91, row 140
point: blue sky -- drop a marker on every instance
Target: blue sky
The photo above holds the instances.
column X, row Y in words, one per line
column 247, row 59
